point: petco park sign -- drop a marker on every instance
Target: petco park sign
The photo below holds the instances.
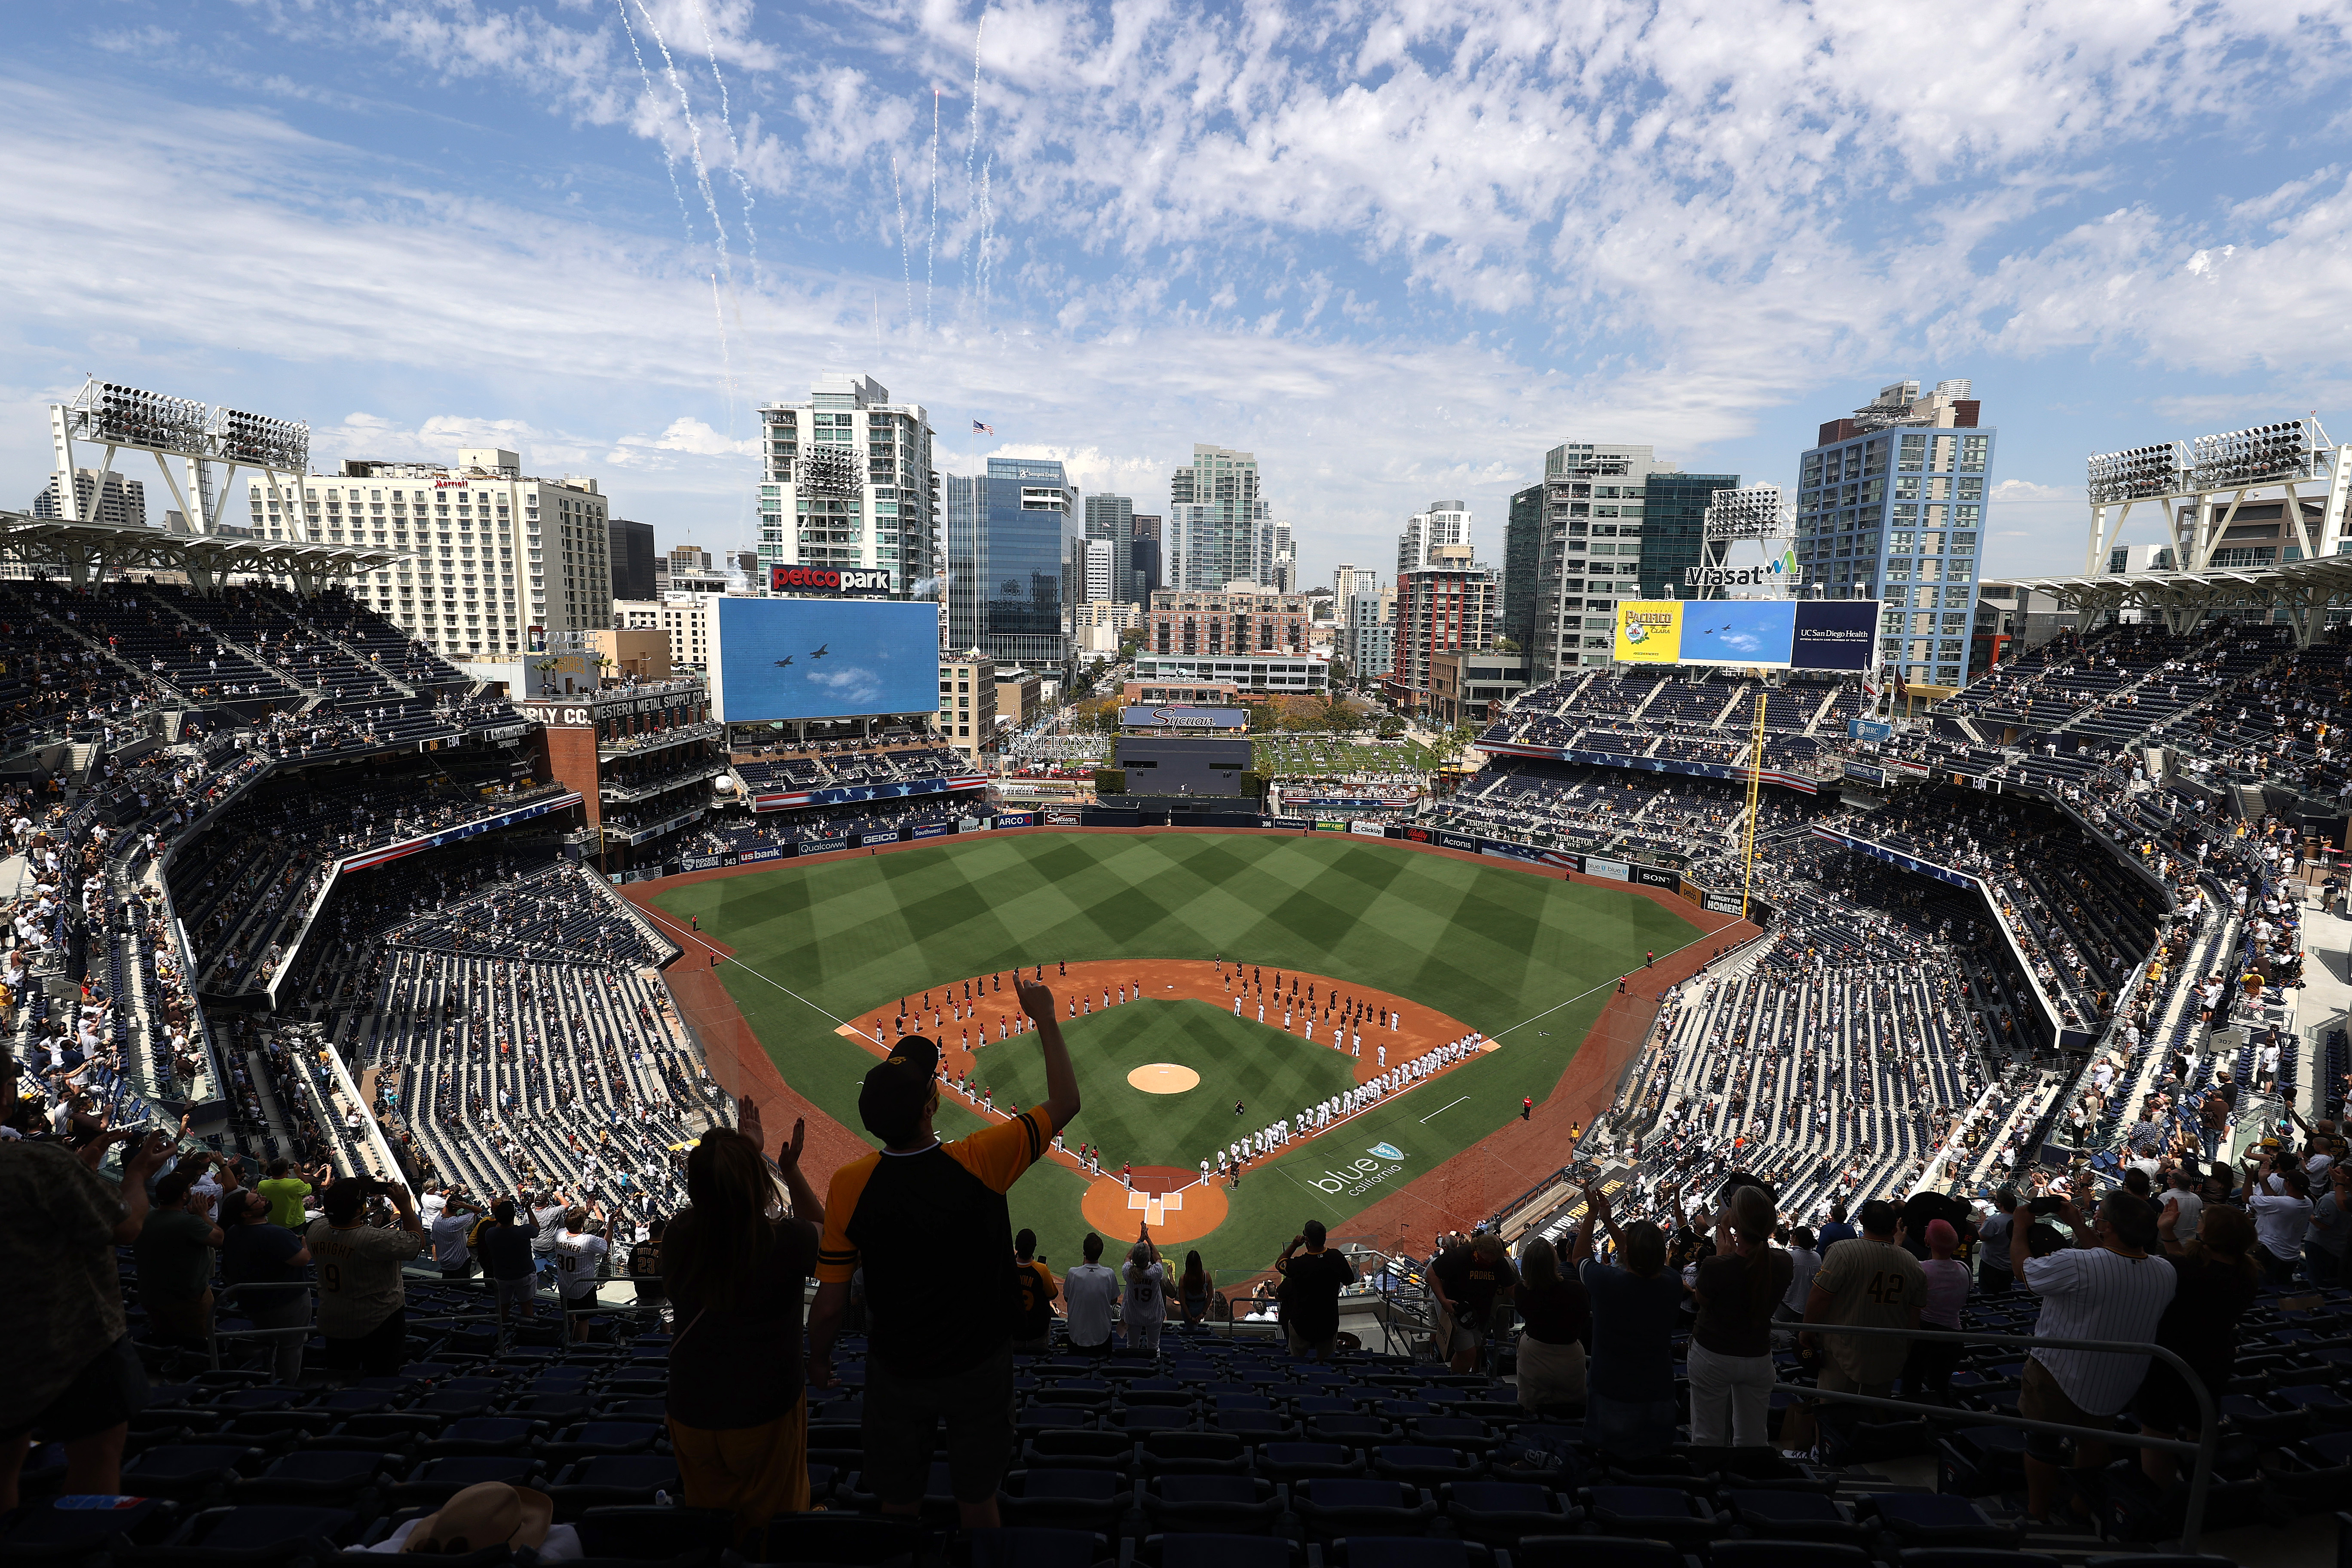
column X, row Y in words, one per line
column 867, row 581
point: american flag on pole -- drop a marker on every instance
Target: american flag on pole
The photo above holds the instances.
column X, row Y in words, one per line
column 979, row 430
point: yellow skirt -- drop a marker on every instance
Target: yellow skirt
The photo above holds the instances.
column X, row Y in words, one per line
column 753, row 1472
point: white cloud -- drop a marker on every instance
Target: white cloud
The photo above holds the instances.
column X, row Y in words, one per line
column 1396, row 250
column 848, row 683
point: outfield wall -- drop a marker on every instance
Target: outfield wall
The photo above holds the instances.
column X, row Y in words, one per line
column 1602, row 868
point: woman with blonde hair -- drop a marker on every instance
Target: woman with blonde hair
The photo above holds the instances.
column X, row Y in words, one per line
column 732, row 1265
column 1730, row 1355
column 2217, row 1275
column 1558, row 1315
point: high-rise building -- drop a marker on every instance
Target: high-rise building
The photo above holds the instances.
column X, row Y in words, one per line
column 1347, row 581
column 1585, row 536
column 1102, row 573
column 1278, row 558
column 1523, row 531
column 1221, row 529
column 849, row 482
column 125, row 503
column 1891, row 505
column 500, row 562
column 1110, row 517
column 1443, row 607
column 1143, row 558
column 1673, row 528
column 1010, row 573
column 1367, row 632
column 1442, row 522
column 632, row 546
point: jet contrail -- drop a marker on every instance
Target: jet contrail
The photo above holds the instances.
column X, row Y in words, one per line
column 669, row 158
column 970, row 152
column 694, row 141
column 906, row 268
column 734, row 148
column 931, row 236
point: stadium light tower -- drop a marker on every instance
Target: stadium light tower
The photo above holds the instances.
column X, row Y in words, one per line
column 1752, row 512
column 132, row 419
column 2200, row 486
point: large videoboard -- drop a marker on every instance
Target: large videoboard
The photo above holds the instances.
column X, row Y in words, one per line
column 1764, row 634
column 823, row 659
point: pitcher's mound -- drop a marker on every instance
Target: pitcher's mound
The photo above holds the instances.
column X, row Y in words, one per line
column 1185, row 1214
column 1164, row 1078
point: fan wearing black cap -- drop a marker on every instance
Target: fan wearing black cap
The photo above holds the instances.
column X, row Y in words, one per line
column 927, row 1223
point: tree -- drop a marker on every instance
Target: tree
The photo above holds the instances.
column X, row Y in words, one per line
column 1505, row 645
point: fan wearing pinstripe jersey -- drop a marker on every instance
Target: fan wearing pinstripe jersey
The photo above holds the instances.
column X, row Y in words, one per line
column 2104, row 1287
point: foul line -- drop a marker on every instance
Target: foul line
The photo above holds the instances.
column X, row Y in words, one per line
column 1444, row 1108
column 1587, row 991
column 695, row 937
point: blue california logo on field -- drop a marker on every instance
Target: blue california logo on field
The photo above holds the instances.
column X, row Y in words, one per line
column 1385, row 1152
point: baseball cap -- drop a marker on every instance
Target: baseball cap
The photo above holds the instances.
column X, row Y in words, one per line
column 896, row 1090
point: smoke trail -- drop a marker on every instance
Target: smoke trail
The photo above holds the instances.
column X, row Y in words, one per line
column 734, row 150
column 931, row 236
column 726, row 355
column 970, row 150
column 987, row 266
column 694, row 145
column 906, row 268
column 669, row 158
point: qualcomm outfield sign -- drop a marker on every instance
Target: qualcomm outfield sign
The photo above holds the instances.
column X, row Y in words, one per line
column 1360, row 1176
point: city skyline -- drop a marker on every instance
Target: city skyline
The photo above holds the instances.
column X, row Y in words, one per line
column 422, row 230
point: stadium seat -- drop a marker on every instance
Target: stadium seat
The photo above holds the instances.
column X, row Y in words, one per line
column 435, row 1481
column 1768, row 1553
column 1226, row 1551
column 258, row 1535
column 1664, row 1513
column 1071, row 1449
column 1499, row 1512
column 1236, row 1505
column 1089, row 1501
column 1422, row 1467
column 1792, row 1516
column 191, row 1473
column 1596, row 1552
column 610, row 1481
column 1926, row 1519
column 1031, row 1546
column 1192, row 1453
column 1394, row 1552
column 1330, row 1508
column 1298, row 1462
column 322, row 1479
column 839, row 1537
column 656, row 1534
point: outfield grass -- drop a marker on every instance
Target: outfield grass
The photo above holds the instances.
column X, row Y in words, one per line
column 1489, row 944
column 1273, row 1074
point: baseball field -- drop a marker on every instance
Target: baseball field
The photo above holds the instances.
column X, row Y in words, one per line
column 818, row 950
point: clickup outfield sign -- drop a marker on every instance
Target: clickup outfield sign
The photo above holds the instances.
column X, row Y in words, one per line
column 1361, row 1176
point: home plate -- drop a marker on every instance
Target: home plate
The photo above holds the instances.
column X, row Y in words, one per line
column 1155, row 1206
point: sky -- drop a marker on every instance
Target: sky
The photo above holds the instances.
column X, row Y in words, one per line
column 1397, row 249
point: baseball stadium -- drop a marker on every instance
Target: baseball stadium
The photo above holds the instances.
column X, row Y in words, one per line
column 1664, row 959
column 816, row 958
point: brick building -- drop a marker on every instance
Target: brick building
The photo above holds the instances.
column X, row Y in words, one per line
column 1443, row 609
column 1238, row 622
